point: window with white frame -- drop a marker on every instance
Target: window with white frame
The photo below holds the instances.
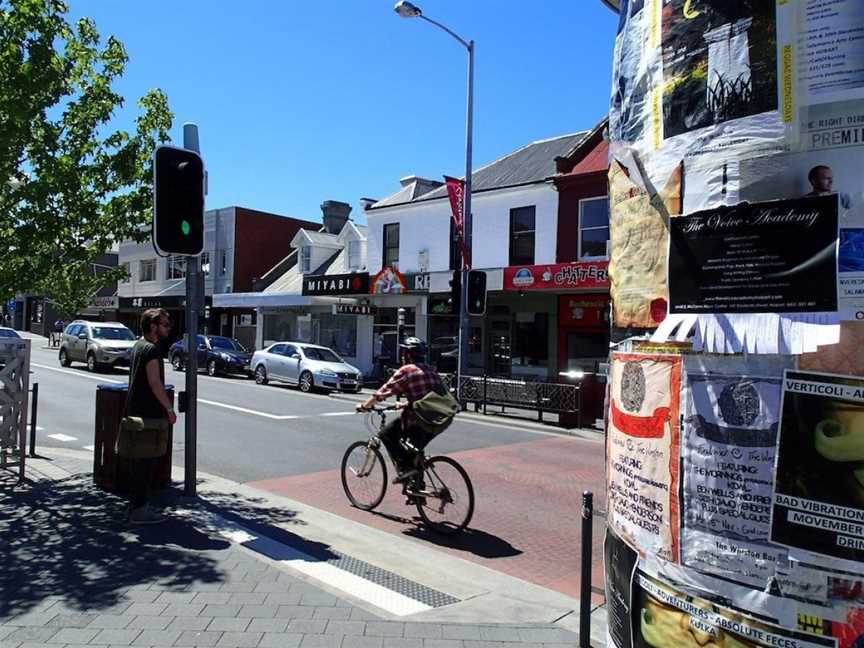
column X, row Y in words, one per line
column 593, row 228
column 522, row 232
column 176, row 268
column 147, row 270
column 205, row 263
column 128, row 277
column 354, row 260
column 306, row 259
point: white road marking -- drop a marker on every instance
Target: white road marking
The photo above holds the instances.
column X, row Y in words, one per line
column 79, row 374
column 377, row 595
column 336, row 414
column 62, row 437
column 90, row 448
column 275, row 417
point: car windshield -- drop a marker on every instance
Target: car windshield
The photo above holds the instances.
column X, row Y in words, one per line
column 317, row 353
column 112, row 333
column 225, row 343
column 8, row 333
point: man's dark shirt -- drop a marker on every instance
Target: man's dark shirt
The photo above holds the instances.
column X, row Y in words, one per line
column 142, row 401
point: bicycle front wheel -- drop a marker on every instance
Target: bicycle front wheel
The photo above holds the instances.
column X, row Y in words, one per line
column 447, row 501
column 364, row 475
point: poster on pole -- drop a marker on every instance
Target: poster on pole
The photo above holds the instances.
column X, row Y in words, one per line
column 819, row 480
column 643, row 450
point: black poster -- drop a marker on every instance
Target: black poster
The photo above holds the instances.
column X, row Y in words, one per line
column 620, row 566
column 355, row 283
column 767, row 257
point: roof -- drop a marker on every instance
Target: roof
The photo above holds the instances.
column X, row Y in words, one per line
column 316, row 238
column 411, row 190
column 533, row 163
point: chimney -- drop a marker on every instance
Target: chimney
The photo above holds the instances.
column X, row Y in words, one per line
column 335, row 215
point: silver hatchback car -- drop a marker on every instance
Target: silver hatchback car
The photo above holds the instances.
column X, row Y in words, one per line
column 98, row 344
column 306, row 365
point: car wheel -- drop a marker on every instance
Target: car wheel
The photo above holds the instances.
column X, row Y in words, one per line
column 92, row 365
column 211, row 367
column 260, row 375
column 64, row 359
column 306, row 382
column 177, row 362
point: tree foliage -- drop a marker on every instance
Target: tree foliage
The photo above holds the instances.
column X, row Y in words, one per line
column 69, row 185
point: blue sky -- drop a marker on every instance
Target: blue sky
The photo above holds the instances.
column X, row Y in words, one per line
column 301, row 102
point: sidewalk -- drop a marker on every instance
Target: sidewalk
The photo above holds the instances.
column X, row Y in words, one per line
column 235, row 567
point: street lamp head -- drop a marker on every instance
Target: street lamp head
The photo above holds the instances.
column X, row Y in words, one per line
column 407, row 10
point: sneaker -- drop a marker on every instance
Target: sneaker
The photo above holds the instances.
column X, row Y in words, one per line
column 145, row 515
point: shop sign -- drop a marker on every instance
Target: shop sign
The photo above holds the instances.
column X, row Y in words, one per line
column 107, row 303
column 583, row 311
column 418, row 282
column 152, row 302
column 340, row 284
column 354, row 309
column 558, row 276
column 388, row 282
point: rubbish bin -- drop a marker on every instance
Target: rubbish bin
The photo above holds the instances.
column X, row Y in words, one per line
column 110, row 471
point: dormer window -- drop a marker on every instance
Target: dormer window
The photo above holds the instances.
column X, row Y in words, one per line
column 354, row 260
column 305, row 259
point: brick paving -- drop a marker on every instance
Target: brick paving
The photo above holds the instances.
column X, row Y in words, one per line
column 528, row 513
column 75, row 574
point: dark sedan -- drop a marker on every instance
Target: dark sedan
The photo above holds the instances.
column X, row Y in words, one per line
column 216, row 354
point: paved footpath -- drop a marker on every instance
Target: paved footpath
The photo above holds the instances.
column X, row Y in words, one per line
column 236, row 568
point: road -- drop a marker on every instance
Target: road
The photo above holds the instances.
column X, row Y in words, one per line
column 528, row 481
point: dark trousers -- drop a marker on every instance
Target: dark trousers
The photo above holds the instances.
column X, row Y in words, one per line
column 140, row 477
column 393, row 432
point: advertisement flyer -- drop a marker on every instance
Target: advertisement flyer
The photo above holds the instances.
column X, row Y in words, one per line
column 642, row 451
column 619, row 562
column 771, row 257
column 819, row 482
column 670, row 618
column 638, row 242
column 731, row 419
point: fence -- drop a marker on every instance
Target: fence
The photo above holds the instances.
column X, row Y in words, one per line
column 14, row 399
column 518, row 393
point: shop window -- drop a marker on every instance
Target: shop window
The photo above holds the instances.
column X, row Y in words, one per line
column 522, row 224
column 128, row 276
column 305, row 259
column 530, row 344
column 339, row 332
column 176, row 268
column 391, row 246
column 147, row 270
column 593, row 228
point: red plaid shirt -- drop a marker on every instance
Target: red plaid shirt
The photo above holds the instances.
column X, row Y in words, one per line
column 412, row 381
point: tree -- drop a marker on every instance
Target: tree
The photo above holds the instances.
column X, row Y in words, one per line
column 69, row 185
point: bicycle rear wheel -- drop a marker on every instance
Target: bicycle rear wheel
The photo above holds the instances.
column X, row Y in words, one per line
column 447, row 501
column 364, row 475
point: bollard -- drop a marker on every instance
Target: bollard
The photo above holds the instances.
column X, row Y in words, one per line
column 33, row 420
column 585, row 581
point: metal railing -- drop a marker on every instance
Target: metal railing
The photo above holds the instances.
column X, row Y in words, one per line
column 518, row 393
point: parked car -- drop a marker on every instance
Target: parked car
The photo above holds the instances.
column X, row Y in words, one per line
column 9, row 332
column 216, row 353
column 96, row 343
column 306, row 365
column 444, row 353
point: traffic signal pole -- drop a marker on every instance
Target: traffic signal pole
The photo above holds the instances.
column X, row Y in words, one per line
column 190, row 466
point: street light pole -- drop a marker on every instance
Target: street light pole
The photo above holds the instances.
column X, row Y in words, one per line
column 408, row 10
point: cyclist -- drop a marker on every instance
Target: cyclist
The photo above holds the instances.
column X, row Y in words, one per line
column 414, row 380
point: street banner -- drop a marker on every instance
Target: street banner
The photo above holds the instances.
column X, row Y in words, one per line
column 638, row 243
column 587, row 275
column 731, row 419
column 642, row 451
column 456, row 194
column 769, row 257
column 819, row 481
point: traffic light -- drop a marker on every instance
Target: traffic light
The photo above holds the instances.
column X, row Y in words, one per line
column 476, row 292
column 456, row 291
column 178, row 201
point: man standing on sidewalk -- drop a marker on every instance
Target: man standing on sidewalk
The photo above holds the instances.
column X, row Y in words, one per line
column 148, row 399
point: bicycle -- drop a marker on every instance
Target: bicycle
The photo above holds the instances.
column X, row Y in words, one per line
column 441, row 489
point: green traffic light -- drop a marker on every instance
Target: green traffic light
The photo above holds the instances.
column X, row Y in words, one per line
column 185, row 227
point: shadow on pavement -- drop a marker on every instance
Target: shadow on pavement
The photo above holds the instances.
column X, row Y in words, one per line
column 470, row 540
column 65, row 539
